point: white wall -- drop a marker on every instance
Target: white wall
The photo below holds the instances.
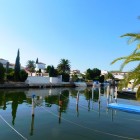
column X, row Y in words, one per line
column 40, row 80
column 53, row 80
column 56, row 79
column 37, row 80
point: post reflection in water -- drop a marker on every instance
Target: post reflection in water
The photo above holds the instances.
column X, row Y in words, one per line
column 96, row 97
column 33, row 106
column 99, row 100
column 111, row 94
column 4, row 102
column 108, row 88
column 60, row 108
column 77, row 101
column 92, row 96
column 32, row 120
column 115, row 93
column 89, row 100
column 32, row 126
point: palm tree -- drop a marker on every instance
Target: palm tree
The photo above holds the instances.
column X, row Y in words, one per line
column 135, row 56
column 30, row 66
column 64, row 66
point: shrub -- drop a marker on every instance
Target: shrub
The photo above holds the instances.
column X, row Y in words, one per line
column 23, row 75
column 65, row 77
column 2, row 73
column 10, row 76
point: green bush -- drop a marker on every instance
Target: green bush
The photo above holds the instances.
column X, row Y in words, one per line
column 2, row 73
column 65, row 77
column 74, row 78
column 23, row 75
column 10, row 76
column 53, row 72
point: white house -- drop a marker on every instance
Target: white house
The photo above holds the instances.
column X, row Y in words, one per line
column 40, row 66
column 4, row 62
column 119, row 75
column 11, row 65
column 104, row 72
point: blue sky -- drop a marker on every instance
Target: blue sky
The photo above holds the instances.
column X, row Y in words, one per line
column 86, row 32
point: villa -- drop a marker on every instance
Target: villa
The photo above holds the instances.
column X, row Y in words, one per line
column 119, row 75
column 7, row 63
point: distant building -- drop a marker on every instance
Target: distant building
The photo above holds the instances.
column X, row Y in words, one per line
column 4, row 62
column 119, row 75
column 104, row 72
column 74, row 72
column 11, row 65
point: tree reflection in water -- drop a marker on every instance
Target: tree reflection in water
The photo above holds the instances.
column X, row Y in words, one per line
column 17, row 97
column 61, row 100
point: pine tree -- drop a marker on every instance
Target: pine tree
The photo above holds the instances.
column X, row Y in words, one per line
column 17, row 67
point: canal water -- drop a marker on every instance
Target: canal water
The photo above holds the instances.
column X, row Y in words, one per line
column 66, row 114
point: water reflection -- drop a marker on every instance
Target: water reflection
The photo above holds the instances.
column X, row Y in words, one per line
column 13, row 98
column 60, row 101
column 57, row 96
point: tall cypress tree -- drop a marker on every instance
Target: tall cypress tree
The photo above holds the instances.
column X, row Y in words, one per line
column 17, row 67
column 36, row 60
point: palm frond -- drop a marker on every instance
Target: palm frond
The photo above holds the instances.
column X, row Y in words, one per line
column 130, row 58
column 120, row 58
column 137, row 49
column 134, row 74
column 135, row 56
column 132, row 37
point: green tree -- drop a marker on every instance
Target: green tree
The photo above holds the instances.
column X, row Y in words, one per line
column 53, row 72
column 89, row 74
column 17, row 67
column 109, row 75
column 48, row 68
column 2, row 73
column 30, row 66
column 64, row 66
column 74, row 77
column 133, row 57
column 64, row 69
column 96, row 74
column 93, row 74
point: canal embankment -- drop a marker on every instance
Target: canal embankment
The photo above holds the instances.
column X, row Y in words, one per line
column 14, row 85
